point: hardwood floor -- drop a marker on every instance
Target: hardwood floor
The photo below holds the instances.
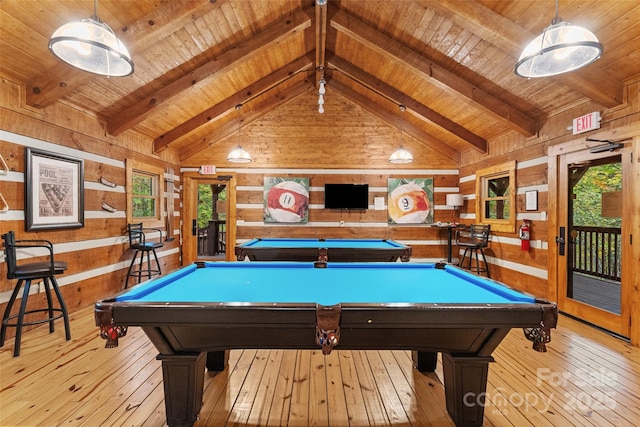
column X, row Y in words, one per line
column 587, row 378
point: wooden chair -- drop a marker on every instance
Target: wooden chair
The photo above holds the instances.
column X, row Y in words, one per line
column 141, row 245
column 26, row 273
column 474, row 240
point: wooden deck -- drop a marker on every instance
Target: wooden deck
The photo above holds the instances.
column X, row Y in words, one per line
column 601, row 293
column 587, row 378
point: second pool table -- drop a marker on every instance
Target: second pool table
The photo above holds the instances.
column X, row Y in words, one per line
column 333, row 250
column 194, row 315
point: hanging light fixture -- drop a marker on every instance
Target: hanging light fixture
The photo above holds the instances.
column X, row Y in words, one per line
column 238, row 154
column 401, row 155
column 321, row 91
column 562, row 47
column 90, row 45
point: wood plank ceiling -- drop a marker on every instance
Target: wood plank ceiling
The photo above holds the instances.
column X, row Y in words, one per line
column 449, row 62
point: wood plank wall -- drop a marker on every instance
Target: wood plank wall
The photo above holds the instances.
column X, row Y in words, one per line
column 98, row 254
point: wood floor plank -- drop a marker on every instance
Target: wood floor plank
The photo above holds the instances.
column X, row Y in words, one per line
column 336, row 404
column 428, row 390
column 371, row 396
column 247, row 394
column 227, row 394
column 390, row 399
column 265, row 389
column 80, row 383
column 352, row 389
column 300, row 394
column 416, row 411
column 282, row 396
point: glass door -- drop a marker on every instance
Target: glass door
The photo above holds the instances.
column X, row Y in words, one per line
column 589, row 238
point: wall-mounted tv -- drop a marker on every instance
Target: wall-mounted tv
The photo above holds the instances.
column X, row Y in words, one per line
column 346, row 196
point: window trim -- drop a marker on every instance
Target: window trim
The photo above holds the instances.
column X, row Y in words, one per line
column 133, row 166
column 507, row 225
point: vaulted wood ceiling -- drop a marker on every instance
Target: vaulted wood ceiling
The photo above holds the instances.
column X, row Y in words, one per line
column 449, row 62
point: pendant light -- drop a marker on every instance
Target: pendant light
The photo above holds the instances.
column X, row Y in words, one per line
column 90, row 45
column 562, row 47
column 238, row 154
column 401, row 155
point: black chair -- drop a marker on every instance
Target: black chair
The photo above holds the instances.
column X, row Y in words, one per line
column 474, row 240
column 141, row 245
column 26, row 273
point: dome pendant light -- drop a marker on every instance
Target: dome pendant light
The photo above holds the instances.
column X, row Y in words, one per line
column 238, row 154
column 91, row 45
column 562, row 47
column 401, row 155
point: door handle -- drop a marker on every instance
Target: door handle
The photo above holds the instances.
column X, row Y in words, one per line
column 194, row 227
column 560, row 241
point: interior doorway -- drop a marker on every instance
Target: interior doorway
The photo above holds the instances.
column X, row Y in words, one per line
column 209, row 218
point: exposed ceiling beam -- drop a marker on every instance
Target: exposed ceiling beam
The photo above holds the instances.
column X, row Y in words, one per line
column 512, row 38
column 225, row 107
column 271, row 102
column 62, row 79
column 236, row 57
column 413, row 105
column 391, row 117
column 428, row 70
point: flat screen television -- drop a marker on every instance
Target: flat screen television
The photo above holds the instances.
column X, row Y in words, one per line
column 346, row 196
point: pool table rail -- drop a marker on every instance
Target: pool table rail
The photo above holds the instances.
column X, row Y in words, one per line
column 310, row 250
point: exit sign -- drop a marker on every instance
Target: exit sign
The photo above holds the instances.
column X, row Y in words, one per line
column 586, row 123
column 207, row 170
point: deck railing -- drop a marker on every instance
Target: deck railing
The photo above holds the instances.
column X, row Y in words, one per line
column 211, row 239
column 597, row 252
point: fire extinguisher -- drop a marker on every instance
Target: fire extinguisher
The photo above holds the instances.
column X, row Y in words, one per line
column 525, row 235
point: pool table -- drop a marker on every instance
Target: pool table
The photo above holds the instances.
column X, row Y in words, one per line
column 334, row 250
column 194, row 315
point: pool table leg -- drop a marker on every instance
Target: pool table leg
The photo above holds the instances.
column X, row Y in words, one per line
column 217, row 360
column 183, row 377
column 424, row 361
column 465, row 384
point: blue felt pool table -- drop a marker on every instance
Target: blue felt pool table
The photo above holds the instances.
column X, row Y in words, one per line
column 194, row 315
column 334, row 250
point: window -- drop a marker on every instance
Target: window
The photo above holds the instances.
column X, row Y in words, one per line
column 144, row 190
column 144, row 194
column 496, row 197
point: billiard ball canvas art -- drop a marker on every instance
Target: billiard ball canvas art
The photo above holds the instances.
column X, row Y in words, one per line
column 410, row 201
column 286, row 200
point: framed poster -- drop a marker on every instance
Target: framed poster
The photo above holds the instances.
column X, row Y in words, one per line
column 54, row 191
column 286, row 200
column 410, row 201
column 531, row 200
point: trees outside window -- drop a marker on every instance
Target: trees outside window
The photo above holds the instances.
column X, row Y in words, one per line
column 496, row 197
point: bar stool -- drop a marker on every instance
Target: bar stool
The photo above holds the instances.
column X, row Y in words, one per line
column 474, row 240
column 45, row 271
column 139, row 243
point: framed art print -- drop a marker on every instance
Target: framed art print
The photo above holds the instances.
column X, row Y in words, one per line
column 531, row 200
column 54, row 191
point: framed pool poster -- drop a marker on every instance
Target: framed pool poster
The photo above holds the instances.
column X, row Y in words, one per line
column 410, row 200
column 286, row 200
column 54, row 191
